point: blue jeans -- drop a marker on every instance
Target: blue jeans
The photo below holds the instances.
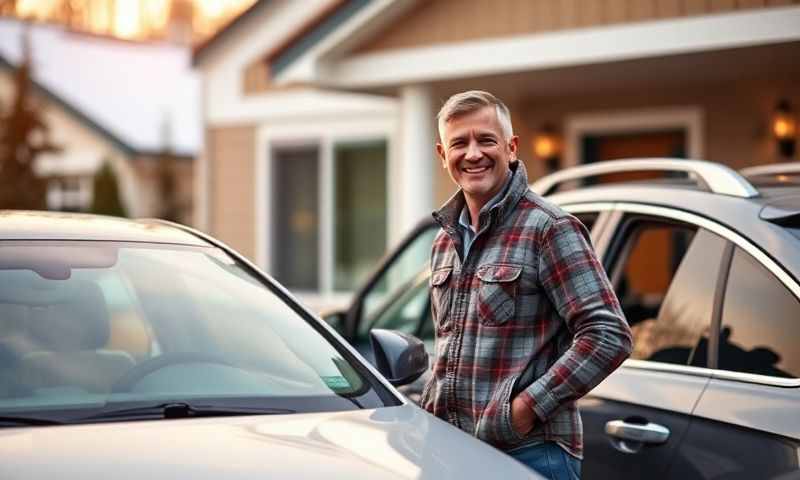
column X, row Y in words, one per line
column 550, row 461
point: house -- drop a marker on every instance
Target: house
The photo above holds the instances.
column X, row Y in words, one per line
column 106, row 100
column 319, row 115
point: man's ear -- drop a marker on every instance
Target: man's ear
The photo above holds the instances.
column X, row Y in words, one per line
column 513, row 147
column 440, row 154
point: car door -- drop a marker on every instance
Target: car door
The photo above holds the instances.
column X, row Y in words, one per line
column 747, row 422
column 664, row 269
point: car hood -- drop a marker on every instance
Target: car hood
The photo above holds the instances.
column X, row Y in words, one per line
column 388, row 443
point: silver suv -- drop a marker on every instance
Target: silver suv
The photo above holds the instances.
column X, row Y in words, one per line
column 706, row 263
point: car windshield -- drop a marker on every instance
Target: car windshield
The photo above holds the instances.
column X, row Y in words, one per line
column 86, row 327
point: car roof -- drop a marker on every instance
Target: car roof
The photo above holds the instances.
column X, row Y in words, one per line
column 40, row 225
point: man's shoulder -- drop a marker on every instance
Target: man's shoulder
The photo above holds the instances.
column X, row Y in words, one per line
column 534, row 211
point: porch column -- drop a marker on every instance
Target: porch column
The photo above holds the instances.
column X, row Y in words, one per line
column 417, row 156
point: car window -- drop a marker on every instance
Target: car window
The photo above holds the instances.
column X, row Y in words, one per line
column 760, row 322
column 680, row 333
column 413, row 259
column 664, row 275
column 408, row 310
column 86, row 324
column 587, row 219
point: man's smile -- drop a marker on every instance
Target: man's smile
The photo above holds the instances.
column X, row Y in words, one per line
column 477, row 170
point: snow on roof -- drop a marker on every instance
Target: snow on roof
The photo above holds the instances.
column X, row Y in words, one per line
column 145, row 94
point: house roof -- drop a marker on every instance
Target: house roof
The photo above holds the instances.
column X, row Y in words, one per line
column 72, row 110
column 306, row 36
column 201, row 50
column 144, row 97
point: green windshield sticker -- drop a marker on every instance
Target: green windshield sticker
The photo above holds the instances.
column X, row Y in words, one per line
column 336, row 382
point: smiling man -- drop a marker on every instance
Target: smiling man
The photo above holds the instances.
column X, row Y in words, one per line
column 526, row 320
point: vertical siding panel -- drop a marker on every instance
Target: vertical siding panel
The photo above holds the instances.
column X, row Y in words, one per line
column 616, row 11
column 751, row 3
column 695, row 7
column 429, row 26
column 232, row 186
column 722, row 5
column 522, row 18
column 568, row 14
column 640, row 10
column 668, row 8
column 591, row 13
column 548, row 15
column 498, row 15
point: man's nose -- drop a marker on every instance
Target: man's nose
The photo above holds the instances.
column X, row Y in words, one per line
column 473, row 152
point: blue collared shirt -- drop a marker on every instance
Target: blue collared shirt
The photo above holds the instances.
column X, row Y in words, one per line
column 468, row 234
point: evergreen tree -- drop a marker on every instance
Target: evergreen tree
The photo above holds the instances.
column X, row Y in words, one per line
column 106, row 199
column 24, row 136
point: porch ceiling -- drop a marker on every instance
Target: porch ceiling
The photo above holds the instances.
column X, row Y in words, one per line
column 667, row 72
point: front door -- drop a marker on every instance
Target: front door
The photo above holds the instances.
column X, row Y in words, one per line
column 650, row 144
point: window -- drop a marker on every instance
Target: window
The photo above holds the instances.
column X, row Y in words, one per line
column 329, row 208
column 406, row 312
column 665, row 276
column 360, row 190
column 399, row 276
column 69, row 194
column 296, row 218
column 760, row 322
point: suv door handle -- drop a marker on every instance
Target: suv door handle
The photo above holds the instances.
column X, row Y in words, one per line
column 637, row 432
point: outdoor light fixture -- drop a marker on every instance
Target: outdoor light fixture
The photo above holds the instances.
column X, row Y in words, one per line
column 547, row 147
column 784, row 127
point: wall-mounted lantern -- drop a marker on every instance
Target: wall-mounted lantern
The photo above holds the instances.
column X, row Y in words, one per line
column 547, row 147
column 784, row 128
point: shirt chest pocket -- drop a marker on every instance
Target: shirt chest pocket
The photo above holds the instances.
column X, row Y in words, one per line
column 441, row 297
column 497, row 293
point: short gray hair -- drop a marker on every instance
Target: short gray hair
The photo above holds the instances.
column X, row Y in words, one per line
column 470, row 101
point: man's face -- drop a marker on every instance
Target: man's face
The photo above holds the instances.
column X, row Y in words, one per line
column 476, row 153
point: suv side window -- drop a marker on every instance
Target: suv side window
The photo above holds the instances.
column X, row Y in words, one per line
column 664, row 274
column 760, row 322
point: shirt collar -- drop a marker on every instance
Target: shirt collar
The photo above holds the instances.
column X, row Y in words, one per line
column 464, row 220
column 448, row 215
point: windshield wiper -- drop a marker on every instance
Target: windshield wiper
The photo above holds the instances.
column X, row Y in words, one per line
column 10, row 420
column 184, row 410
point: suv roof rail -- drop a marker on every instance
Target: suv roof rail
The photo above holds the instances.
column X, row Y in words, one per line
column 714, row 177
column 788, row 168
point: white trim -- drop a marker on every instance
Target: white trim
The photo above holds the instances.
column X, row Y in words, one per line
column 577, row 126
column 327, row 194
column 539, row 51
column 202, row 172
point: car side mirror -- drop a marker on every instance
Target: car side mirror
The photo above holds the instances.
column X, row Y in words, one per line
column 400, row 357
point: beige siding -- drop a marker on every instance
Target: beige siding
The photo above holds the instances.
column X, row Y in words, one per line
column 257, row 78
column 736, row 128
column 448, row 21
column 231, row 158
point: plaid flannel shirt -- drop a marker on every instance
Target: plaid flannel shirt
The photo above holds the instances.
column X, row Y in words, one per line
column 530, row 310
